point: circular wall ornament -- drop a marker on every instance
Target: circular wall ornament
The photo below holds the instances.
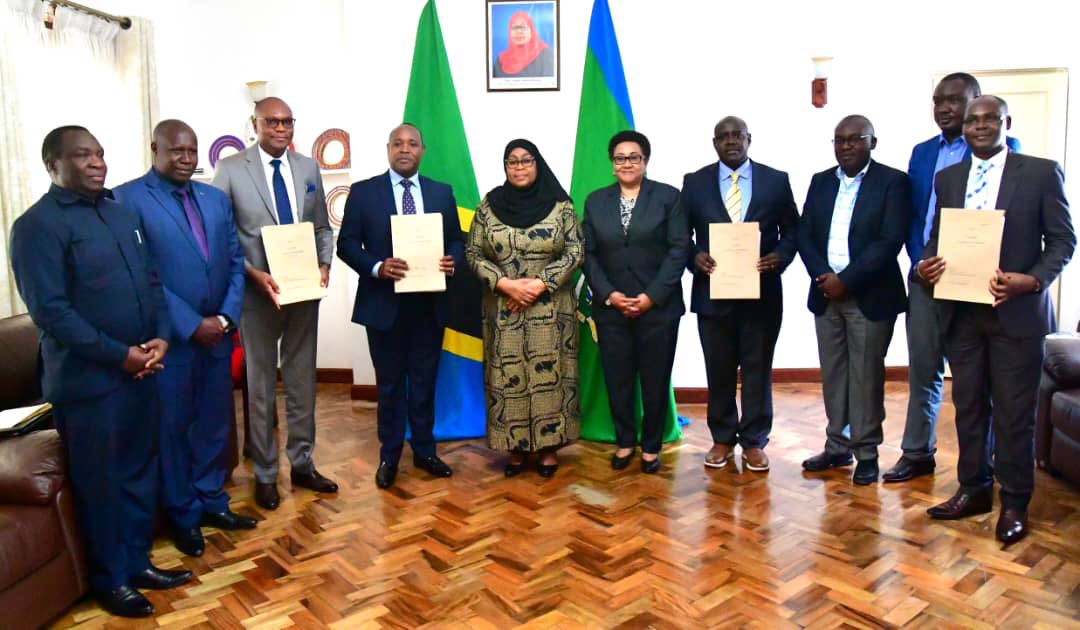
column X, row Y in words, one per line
column 335, row 204
column 224, row 147
column 331, row 149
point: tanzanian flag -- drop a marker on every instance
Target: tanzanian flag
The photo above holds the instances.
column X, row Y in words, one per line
column 432, row 106
column 605, row 110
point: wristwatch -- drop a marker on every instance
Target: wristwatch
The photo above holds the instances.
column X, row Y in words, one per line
column 226, row 324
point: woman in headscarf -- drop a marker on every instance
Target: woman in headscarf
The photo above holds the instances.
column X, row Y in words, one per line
column 526, row 55
column 524, row 245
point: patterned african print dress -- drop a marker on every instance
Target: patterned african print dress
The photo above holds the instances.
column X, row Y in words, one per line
column 530, row 358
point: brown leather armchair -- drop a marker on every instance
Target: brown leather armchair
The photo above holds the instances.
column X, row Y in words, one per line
column 1057, row 424
column 42, row 563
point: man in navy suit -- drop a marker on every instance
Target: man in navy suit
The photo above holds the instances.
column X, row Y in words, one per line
column 996, row 352
column 404, row 331
column 853, row 226
column 189, row 228
column 926, row 344
column 739, row 333
column 83, row 267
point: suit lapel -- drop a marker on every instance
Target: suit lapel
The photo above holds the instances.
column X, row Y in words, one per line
column 713, row 198
column 387, row 190
column 209, row 225
column 299, row 187
column 258, row 177
column 868, row 185
column 755, row 205
column 1010, row 179
column 641, row 206
column 172, row 208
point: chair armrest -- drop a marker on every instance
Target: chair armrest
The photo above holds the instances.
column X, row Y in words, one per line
column 31, row 468
column 1062, row 362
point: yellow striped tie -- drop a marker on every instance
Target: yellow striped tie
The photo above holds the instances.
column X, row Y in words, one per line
column 733, row 200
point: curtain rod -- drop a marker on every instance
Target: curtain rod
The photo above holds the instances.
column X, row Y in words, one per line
column 124, row 22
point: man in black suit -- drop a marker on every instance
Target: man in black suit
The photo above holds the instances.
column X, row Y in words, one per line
column 853, row 225
column 996, row 352
column 404, row 331
column 739, row 333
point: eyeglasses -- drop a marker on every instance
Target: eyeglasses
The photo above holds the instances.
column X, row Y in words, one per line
column 850, row 140
column 525, row 162
column 273, row 123
column 732, row 135
column 633, row 158
column 985, row 119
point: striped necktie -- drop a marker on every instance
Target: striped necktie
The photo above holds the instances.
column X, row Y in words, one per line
column 980, row 187
column 733, row 200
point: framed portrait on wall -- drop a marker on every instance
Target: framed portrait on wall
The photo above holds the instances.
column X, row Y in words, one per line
column 522, row 45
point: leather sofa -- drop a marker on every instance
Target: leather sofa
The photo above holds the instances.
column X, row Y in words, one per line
column 1057, row 424
column 42, row 563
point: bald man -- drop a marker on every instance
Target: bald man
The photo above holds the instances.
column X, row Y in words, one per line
column 852, row 227
column 192, row 239
column 270, row 185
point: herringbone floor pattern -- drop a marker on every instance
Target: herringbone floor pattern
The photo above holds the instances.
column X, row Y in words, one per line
column 594, row 548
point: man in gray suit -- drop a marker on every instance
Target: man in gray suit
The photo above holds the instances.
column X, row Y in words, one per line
column 270, row 185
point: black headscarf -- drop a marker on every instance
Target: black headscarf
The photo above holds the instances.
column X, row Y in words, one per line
column 525, row 207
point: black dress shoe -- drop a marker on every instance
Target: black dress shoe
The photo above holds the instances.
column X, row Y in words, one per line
column 1011, row 525
column 189, row 541
column 906, row 469
column 313, row 481
column 546, row 470
column 435, row 466
column 159, row 579
column 228, row 520
column 963, row 504
column 266, row 495
column 385, row 475
column 513, row 470
column 866, row 472
column 619, row 463
column 650, row 467
column 125, row 601
column 825, row 461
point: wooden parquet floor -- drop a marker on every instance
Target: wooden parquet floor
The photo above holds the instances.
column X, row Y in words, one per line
column 595, row 548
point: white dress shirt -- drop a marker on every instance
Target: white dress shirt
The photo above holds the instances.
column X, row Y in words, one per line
column 286, row 174
column 399, row 192
column 988, row 196
column 838, row 255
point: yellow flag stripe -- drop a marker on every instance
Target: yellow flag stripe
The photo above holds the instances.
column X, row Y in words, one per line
column 463, row 345
column 465, row 216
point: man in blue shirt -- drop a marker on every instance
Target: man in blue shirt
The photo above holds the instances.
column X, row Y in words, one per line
column 926, row 349
column 83, row 268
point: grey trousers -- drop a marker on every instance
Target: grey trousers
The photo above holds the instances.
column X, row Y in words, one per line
column 852, row 353
column 926, row 373
column 261, row 327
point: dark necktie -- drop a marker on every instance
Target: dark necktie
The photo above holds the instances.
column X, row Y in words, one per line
column 281, row 195
column 195, row 221
column 408, row 204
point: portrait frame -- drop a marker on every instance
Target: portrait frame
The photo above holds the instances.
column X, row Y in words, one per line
column 522, row 67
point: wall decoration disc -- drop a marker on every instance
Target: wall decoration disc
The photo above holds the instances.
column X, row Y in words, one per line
column 335, row 204
column 331, row 149
column 224, row 147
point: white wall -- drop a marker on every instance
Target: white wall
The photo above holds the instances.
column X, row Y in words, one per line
column 346, row 64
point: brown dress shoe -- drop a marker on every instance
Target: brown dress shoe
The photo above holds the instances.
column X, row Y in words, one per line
column 963, row 504
column 1011, row 525
column 719, row 455
column 755, row 459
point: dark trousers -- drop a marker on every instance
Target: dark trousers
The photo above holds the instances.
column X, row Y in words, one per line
column 194, row 430
column 406, row 360
column 998, row 373
column 111, row 444
column 634, row 350
column 745, row 339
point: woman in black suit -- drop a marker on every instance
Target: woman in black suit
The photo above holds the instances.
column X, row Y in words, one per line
column 636, row 239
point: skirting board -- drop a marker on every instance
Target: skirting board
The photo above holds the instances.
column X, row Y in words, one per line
column 689, row 395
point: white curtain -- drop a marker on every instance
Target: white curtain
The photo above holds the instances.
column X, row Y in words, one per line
column 84, row 71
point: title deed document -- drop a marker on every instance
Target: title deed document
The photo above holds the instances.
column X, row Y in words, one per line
column 735, row 247
column 970, row 243
column 418, row 240
column 294, row 262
